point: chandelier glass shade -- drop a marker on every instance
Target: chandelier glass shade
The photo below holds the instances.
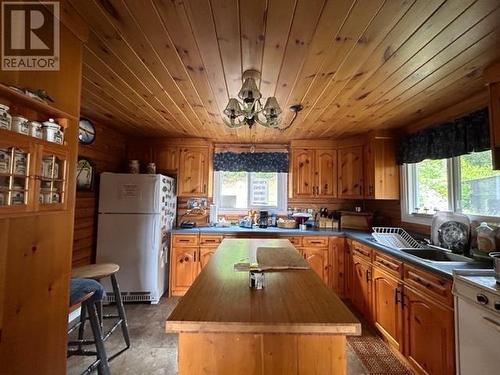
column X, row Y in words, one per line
column 249, row 110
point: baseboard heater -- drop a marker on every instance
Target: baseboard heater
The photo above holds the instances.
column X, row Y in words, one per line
column 130, row 297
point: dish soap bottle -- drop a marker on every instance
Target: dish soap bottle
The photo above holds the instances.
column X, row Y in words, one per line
column 485, row 239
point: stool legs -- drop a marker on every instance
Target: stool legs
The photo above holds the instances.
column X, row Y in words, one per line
column 103, row 367
column 121, row 310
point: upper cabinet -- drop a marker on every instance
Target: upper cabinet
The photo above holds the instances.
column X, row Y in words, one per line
column 381, row 173
column 193, row 176
column 350, row 177
column 166, row 158
column 492, row 76
column 313, row 172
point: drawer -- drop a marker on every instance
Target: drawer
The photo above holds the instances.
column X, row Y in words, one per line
column 428, row 283
column 210, row 239
column 315, row 241
column 361, row 250
column 185, row 240
column 388, row 263
column 296, row 241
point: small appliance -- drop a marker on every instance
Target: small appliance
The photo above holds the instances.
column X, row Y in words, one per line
column 263, row 219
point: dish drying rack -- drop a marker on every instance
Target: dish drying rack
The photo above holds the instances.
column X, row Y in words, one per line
column 395, row 237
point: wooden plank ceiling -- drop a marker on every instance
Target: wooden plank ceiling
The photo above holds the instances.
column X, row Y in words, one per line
column 167, row 67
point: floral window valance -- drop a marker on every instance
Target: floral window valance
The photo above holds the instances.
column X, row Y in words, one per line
column 464, row 135
column 251, row 162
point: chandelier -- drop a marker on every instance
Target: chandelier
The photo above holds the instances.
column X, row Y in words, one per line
column 249, row 110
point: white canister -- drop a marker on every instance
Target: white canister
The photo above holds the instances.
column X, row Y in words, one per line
column 45, row 195
column 49, row 168
column 4, row 160
column 20, row 125
column 17, row 197
column 35, row 129
column 20, row 163
column 52, row 131
column 133, row 167
column 5, row 117
column 55, row 197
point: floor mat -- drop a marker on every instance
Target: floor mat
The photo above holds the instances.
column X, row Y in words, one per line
column 376, row 356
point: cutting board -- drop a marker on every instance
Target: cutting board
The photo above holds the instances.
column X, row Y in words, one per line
column 275, row 259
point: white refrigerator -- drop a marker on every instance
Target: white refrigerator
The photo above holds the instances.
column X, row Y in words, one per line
column 136, row 215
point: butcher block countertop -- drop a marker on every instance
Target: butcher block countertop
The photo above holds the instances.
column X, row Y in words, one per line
column 292, row 301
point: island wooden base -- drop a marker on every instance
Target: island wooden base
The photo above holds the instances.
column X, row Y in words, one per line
column 261, row 354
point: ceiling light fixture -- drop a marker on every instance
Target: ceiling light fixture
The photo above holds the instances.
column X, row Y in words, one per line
column 249, row 110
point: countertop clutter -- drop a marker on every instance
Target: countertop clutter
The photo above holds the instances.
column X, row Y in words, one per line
column 442, row 268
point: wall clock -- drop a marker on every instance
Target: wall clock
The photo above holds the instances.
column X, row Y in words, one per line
column 84, row 175
column 86, row 131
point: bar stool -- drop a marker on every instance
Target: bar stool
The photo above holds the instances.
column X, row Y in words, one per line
column 98, row 272
column 87, row 293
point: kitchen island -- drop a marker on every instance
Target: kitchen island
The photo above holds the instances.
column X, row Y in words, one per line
column 295, row 325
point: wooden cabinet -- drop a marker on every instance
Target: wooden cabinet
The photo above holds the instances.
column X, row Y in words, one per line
column 348, row 269
column 387, row 307
column 337, row 274
column 492, row 75
column 166, row 158
column 184, row 269
column 350, row 172
column 428, row 283
column 313, row 173
column 319, row 261
column 141, row 152
column 193, row 176
column 204, row 256
column 361, row 292
column 428, row 333
column 381, row 172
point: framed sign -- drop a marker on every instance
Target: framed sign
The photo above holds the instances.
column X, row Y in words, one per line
column 85, row 173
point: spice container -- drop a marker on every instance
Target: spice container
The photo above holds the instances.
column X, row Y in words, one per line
column 133, row 166
column 256, row 280
column 4, row 160
column 20, row 162
column 19, row 124
column 35, row 129
column 5, row 117
column 52, row 131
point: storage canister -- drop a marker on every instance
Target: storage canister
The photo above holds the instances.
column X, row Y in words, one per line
column 52, row 131
column 20, row 162
column 35, row 129
column 5, row 117
column 151, row 168
column 19, row 124
column 133, row 167
column 485, row 239
column 3, row 198
column 4, row 160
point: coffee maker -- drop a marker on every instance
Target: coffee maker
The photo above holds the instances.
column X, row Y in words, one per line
column 263, row 219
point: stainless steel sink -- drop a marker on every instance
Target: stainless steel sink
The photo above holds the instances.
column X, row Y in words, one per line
column 437, row 255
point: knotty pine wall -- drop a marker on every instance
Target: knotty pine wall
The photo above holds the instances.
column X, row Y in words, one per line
column 108, row 154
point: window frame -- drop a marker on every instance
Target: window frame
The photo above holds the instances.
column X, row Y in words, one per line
column 408, row 194
column 281, row 209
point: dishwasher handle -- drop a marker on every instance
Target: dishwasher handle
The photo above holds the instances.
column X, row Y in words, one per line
column 492, row 323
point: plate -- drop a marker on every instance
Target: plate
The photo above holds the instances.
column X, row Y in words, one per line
column 454, row 236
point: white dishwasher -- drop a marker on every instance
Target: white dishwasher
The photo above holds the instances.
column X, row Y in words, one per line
column 477, row 322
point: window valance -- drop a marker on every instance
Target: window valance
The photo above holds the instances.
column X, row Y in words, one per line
column 470, row 133
column 251, row 162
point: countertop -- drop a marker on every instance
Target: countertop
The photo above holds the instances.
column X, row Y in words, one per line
column 444, row 269
column 295, row 302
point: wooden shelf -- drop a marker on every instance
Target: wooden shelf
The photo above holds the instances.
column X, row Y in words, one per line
column 15, row 97
column 23, row 138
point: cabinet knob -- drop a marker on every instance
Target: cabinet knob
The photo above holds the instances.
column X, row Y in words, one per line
column 482, row 299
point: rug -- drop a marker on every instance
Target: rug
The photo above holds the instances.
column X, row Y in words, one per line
column 376, row 356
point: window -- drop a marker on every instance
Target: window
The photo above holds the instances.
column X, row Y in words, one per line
column 240, row 191
column 465, row 184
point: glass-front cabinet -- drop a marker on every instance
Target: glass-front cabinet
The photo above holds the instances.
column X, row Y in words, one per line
column 33, row 174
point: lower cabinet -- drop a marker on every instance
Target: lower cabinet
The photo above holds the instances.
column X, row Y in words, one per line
column 361, row 291
column 205, row 254
column 337, row 269
column 429, row 334
column 184, row 269
column 319, row 261
column 387, row 312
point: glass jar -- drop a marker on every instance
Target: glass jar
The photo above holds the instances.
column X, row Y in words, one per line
column 5, row 117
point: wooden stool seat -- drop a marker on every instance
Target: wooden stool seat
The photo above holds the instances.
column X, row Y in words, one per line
column 95, row 271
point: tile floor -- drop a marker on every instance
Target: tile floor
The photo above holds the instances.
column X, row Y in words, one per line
column 153, row 351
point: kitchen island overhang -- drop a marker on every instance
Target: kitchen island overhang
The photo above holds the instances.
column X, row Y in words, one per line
column 295, row 325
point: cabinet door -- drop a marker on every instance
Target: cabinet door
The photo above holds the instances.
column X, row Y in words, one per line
column 326, row 173
column 184, row 268
column 337, row 273
column 350, row 172
column 318, row 260
column 166, row 158
column 348, row 269
column 369, row 171
column 193, row 171
column 205, row 254
column 302, row 173
column 387, row 307
column 361, row 287
column 381, row 172
column 429, row 334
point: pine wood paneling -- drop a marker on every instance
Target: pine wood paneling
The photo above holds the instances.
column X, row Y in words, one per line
column 108, row 154
column 160, row 67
